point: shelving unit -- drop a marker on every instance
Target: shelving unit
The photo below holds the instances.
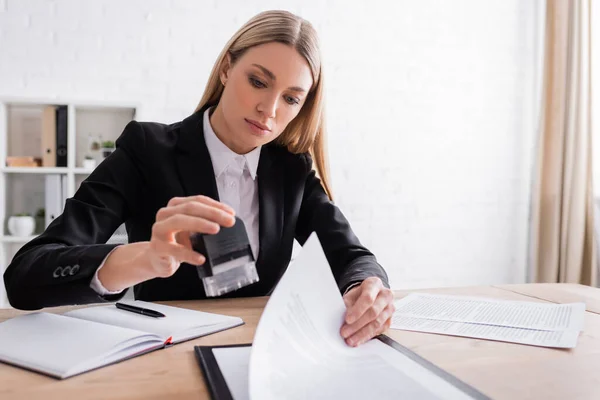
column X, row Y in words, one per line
column 16, row 239
column 22, row 189
column 38, row 170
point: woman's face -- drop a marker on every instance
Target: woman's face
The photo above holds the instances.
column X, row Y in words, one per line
column 264, row 90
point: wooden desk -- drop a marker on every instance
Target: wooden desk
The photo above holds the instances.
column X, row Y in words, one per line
column 500, row 370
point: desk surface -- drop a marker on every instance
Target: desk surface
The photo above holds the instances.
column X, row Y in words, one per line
column 500, row 370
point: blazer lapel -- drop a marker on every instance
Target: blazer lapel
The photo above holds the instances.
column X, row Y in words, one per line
column 271, row 208
column 194, row 165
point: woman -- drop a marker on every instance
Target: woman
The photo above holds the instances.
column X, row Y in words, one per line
column 250, row 143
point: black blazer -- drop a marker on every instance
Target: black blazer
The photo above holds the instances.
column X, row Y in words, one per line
column 151, row 164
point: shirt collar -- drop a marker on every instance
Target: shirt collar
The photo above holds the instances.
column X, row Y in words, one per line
column 221, row 155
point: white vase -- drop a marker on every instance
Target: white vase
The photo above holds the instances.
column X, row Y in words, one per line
column 89, row 164
column 21, row 226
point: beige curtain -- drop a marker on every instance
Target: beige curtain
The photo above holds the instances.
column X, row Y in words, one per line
column 563, row 247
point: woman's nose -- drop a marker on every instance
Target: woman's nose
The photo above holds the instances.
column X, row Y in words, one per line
column 268, row 106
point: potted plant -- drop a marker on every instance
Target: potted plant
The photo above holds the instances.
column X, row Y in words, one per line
column 108, row 146
column 40, row 220
column 21, row 224
column 95, row 146
column 89, row 162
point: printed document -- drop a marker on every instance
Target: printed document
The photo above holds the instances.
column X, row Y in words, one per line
column 539, row 324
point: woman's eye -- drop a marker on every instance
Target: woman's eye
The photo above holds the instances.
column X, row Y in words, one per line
column 291, row 100
column 260, row 85
column 256, row 83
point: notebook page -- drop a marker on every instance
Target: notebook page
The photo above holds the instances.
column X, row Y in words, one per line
column 298, row 352
column 55, row 345
column 558, row 339
column 515, row 314
column 127, row 350
column 179, row 323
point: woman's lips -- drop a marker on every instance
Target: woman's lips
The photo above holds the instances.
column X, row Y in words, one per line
column 257, row 128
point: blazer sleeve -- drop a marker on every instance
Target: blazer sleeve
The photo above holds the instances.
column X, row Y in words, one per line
column 56, row 267
column 350, row 261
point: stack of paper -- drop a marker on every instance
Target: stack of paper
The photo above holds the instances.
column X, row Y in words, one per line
column 299, row 353
column 537, row 324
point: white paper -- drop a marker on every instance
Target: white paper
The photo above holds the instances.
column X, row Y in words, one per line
column 234, row 363
column 515, row 314
column 61, row 346
column 298, row 352
column 179, row 323
column 560, row 339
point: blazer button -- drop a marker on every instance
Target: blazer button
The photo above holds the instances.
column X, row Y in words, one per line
column 57, row 272
column 74, row 270
column 66, row 270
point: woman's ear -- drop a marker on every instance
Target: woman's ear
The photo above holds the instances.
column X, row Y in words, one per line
column 225, row 67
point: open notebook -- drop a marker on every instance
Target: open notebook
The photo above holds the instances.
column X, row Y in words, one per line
column 81, row 340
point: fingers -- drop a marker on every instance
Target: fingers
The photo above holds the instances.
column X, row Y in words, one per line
column 166, row 229
column 351, row 296
column 170, row 244
column 376, row 327
column 372, row 313
column 369, row 291
column 179, row 252
column 201, row 199
column 370, row 308
column 197, row 209
column 183, row 238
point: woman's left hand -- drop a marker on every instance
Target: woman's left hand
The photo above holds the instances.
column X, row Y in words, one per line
column 369, row 310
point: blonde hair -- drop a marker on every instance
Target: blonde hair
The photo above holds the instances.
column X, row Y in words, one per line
column 306, row 132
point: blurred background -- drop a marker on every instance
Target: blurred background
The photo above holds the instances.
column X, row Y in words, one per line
column 460, row 132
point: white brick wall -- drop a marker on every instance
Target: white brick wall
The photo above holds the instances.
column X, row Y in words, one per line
column 431, row 107
column 595, row 59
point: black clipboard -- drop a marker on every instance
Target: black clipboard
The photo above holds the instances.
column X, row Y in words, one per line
column 215, row 382
column 219, row 391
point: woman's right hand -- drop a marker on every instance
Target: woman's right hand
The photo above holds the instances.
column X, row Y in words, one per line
column 170, row 242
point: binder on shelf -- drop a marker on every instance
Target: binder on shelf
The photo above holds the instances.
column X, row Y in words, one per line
column 64, row 191
column 54, row 197
column 49, row 137
column 61, row 136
